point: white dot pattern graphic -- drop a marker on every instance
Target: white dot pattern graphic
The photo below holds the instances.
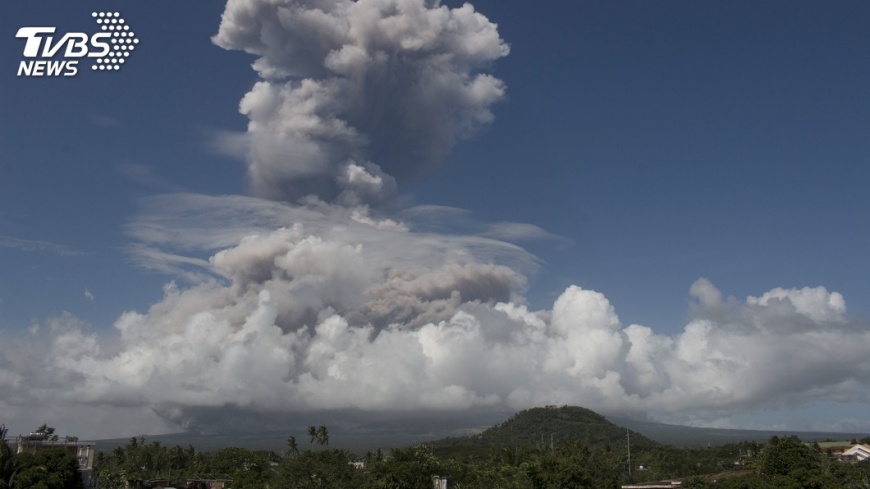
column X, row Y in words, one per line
column 123, row 41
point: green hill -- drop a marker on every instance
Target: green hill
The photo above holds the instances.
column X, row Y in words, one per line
column 546, row 426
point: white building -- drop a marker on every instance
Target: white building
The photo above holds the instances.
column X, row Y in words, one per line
column 858, row 453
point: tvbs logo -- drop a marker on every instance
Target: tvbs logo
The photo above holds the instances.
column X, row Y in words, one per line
column 48, row 54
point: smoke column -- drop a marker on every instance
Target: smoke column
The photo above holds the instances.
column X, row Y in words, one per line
column 357, row 96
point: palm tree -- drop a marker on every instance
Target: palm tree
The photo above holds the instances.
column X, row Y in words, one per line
column 177, row 459
column 48, row 431
column 323, row 435
column 292, row 447
column 312, row 434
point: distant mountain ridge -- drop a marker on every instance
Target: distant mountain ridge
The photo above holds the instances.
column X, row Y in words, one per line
column 693, row 436
column 526, row 428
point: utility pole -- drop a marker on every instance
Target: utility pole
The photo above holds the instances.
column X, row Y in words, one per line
column 628, row 436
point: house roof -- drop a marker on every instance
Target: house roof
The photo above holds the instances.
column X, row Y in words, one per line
column 862, row 452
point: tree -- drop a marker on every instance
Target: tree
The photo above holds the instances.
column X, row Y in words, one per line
column 782, row 456
column 312, row 434
column 249, row 469
column 7, row 460
column 573, row 465
column 177, row 460
column 292, row 447
column 696, row 482
column 329, row 468
column 49, row 468
column 786, row 461
column 48, row 431
column 323, row 435
column 407, row 468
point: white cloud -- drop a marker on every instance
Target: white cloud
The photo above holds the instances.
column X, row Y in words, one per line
column 518, row 231
column 29, row 245
column 334, row 314
column 452, row 220
column 814, row 303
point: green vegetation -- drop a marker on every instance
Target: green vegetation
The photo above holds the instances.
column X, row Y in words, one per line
column 787, row 463
column 7, row 460
column 547, row 426
column 51, row 468
column 542, row 448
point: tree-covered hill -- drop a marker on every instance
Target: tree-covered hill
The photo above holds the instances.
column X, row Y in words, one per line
column 548, row 426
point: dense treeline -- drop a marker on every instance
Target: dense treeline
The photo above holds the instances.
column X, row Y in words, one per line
column 780, row 463
column 572, row 465
column 787, row 463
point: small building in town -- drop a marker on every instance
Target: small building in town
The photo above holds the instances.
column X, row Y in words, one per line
column 835, row 448
column 83, row 451
column 209, row 481
column 441, row 482
column 858, row 453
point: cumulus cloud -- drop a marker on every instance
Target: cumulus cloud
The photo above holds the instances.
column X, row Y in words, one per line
column 302, row 323
column 292, row 309
column 356, row 96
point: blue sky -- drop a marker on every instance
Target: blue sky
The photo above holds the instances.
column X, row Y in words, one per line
column 656, row 143
column 68, row 142
column 676, row 140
